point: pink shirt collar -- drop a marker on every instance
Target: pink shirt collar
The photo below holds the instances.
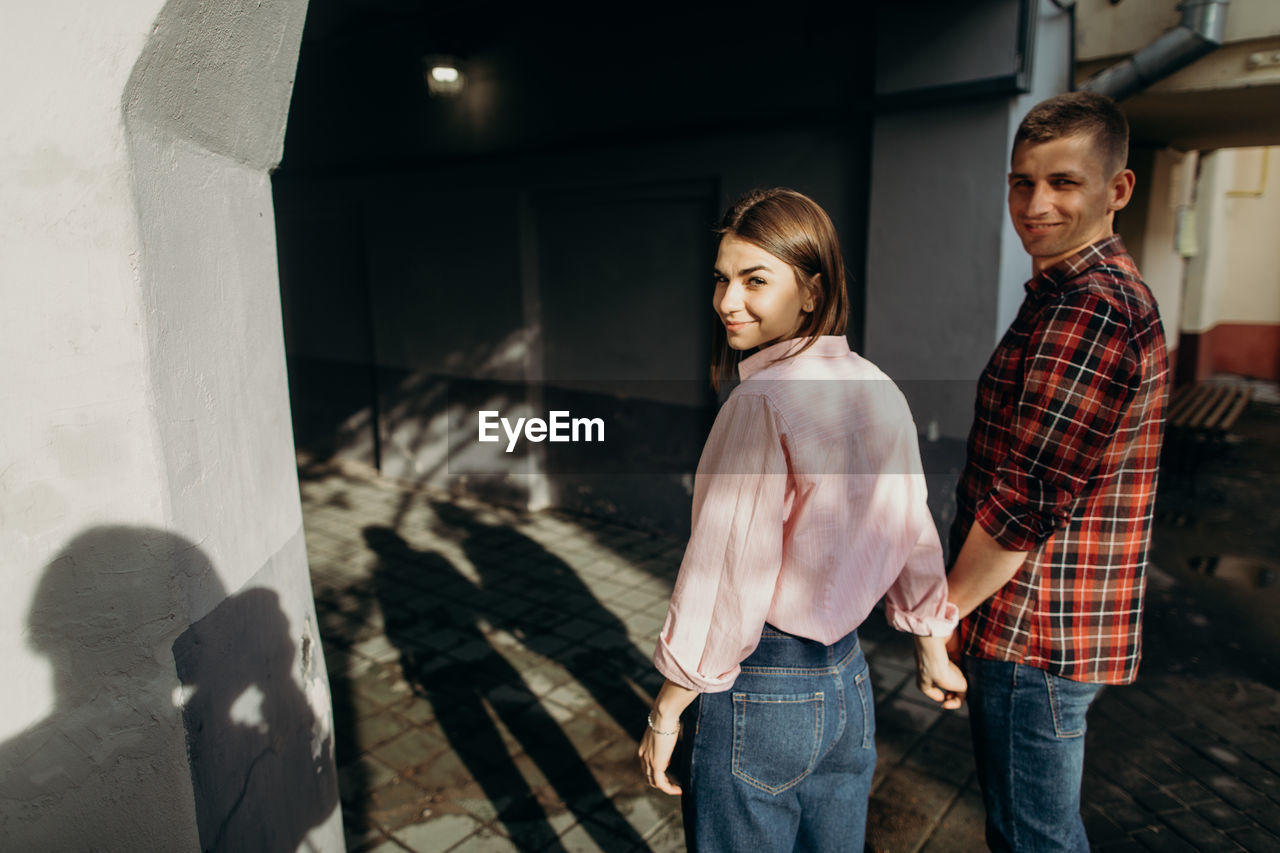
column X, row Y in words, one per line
column 827, row 346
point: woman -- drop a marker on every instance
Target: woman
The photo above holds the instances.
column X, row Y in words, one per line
column 808, row 507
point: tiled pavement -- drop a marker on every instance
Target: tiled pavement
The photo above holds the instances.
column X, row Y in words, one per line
column 490, row 676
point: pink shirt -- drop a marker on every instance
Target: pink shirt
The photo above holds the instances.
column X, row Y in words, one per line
column 808, row 507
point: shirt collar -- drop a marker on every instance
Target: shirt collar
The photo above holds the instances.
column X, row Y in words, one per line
column 827, row 346
column 1068, row 268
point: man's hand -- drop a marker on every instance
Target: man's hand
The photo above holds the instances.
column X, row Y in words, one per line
column 936, row 675
column 953, row 647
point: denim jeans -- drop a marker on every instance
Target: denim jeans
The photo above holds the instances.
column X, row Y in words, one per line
column 783, row 761
column 1028, row 739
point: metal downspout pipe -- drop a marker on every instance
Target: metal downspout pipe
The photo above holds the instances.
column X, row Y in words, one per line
column 1204, row 22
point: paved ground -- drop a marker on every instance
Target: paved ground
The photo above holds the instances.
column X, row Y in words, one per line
column 490, row 677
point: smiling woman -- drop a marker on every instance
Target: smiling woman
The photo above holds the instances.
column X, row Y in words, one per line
column 761, row 302
column 779, row 257
column 808, row 508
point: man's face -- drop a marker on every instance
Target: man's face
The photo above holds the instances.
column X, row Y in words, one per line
column 1061, row 197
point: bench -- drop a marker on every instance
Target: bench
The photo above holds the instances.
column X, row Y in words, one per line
column 1199, row 418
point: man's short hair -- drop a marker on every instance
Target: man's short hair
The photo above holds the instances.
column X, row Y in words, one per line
column 1080, row 113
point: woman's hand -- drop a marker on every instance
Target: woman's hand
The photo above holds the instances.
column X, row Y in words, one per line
column 937, row 676
column 660, row 737
column 655, row 754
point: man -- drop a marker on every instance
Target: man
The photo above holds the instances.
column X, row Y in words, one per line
column 1055, row 502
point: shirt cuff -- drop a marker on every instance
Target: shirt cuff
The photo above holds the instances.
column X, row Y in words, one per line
column 1015, row 528
column 669, row 665
column 935, row 625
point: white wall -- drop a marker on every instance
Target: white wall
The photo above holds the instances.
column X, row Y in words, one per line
column 146, row 484
column 79, row 442
column 1200, row 301
column 75, row 447
column 1149, row 226
column 1250, row 286
column 1234, row 279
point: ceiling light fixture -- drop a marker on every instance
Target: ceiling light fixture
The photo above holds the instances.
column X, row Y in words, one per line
column 444, row 76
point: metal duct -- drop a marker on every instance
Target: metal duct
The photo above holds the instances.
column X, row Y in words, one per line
column 1203, row 24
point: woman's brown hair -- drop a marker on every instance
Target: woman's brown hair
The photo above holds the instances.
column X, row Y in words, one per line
column 793, row 228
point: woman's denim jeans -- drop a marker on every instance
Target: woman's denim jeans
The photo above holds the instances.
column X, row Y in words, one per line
column 783, row 761
column 1028, row 739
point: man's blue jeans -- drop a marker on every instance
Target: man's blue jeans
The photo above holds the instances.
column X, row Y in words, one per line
column 1028, row 739
column 783, row 761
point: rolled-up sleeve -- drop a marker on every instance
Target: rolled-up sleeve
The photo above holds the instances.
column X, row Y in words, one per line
column 731, row 564
column 917, row 601
column 1081, row 374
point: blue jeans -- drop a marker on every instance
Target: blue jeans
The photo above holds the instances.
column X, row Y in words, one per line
column 783, row 761
column 1028, row 741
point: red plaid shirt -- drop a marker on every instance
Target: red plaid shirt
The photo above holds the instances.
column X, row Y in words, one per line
column 1062, row 463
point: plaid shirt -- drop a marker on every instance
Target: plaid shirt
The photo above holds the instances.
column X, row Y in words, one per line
column 1062, row 463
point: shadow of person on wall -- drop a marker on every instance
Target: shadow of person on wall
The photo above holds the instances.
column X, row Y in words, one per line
column 145, row 713
column 471, row 688
column 261, row 756
column 342, row 616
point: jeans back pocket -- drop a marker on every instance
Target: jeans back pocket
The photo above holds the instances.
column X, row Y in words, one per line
column 776, row 738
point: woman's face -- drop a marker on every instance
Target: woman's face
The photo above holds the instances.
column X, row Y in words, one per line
column 757, row 296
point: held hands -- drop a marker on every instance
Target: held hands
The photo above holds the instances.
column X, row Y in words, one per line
column 953, row 647
column 937, row 676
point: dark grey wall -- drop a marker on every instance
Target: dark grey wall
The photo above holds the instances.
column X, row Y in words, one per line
column 944, row 267
column 413, row 299
column 545, row 240
column 567, row 74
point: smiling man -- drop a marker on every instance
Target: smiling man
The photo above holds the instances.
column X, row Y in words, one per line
column 1054, row 506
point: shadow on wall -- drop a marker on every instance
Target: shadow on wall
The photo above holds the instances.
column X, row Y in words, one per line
column 109, row 767
column 252, row 732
